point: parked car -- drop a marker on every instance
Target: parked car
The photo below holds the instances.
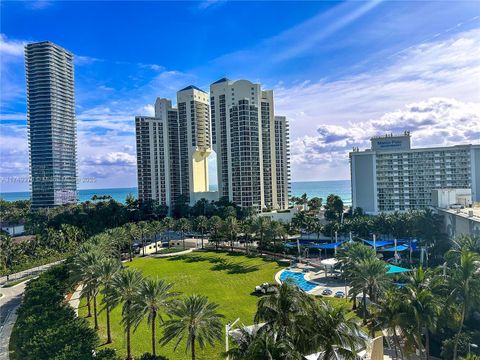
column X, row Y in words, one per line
column 327, row 292
column 340, row 294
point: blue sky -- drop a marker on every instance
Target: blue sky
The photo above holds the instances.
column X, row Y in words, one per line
column 341, row 72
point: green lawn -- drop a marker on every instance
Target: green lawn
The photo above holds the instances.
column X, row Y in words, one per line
column 227, row 279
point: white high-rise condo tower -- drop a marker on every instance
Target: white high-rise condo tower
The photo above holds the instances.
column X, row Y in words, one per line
column 51, row 124
column 173, row 149
column 244, row 139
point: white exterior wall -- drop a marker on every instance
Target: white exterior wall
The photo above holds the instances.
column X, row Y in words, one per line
column 403, row 179
column 234, row 91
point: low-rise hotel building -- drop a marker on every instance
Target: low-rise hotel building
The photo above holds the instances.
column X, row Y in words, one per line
column 392, row 176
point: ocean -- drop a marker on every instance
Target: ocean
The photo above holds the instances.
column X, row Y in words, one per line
column 311, row 188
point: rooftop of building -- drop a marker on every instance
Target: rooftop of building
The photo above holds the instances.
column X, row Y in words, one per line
column 391, row 135
column 221, row 80
column 47, row 42
column 193, row 87
column 472, row 213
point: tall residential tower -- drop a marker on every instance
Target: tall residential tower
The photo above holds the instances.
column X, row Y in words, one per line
column 244, row 139
column 51, row 124
column 173, row 149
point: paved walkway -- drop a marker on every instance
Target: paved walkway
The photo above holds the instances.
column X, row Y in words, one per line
column 75, row 299
column 160, row 255
column 9, row 303
column 26, row 273
column 10, row 300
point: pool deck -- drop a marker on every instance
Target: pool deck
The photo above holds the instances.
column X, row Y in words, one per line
column 318, row 278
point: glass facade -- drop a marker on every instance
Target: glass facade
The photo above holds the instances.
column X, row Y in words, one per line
column 51, row 124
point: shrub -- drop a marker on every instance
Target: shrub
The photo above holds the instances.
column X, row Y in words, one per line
column 148, row 356
column 107, row 354
column 47, row 327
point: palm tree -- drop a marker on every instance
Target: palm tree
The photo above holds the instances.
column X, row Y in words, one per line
column 422, row 308
column 245, row 227
column 279, row 309
column 108, row 269
column 195, row 320
column 465, row 285
column 143, row 228
column 126, row 290
column 260, row 226
column 263, row 345
column 326, row 329
column 133, row 233
column 183, row 225
column 87, row 267
column 276, row 231
column 201, row 224
column 349, row 255
column 168, row 224
column 154, row 296
column 214, row 225
column 230, row 230
column 388, row 313
column 157, row 227
column 369, row 277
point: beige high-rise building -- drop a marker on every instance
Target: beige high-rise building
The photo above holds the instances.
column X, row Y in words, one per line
column 243, row 137
column 195, row 145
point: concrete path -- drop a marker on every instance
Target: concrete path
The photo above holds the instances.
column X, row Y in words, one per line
column 9, row 303
column 160, row 255
column 10, row 300
column 75, row 299
column 29, row 272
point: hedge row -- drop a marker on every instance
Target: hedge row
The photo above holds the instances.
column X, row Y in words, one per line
column 47, row 327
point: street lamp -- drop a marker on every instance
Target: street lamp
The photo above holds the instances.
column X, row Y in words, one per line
column 228, row 327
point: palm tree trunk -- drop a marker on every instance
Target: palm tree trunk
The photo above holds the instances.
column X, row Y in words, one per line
column 364, row 300
column 427, row 344
column 457, row 337
column 95, row 315
column 193, row 347
column 109, row 331
column 202, row 239
column 89, row 307
column 154, row 315
column 395, row 342
column 129, row 347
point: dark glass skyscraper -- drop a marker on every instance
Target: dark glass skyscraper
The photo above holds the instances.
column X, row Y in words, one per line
column 51, row 124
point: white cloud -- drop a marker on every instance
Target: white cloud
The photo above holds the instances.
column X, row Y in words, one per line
column 11, row 47
column 346, row 112
column 112, row 158
column 206, row 4
column 434, row 122
column 449, row 68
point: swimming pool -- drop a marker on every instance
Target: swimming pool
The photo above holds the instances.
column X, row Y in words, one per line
column 299, row 279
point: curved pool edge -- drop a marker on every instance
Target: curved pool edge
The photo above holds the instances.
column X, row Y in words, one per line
column 279, row 282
